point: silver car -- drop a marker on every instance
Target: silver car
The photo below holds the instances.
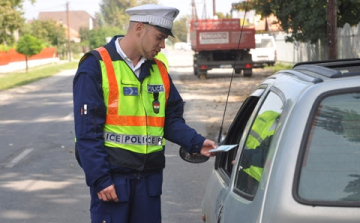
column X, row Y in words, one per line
column 297, row 158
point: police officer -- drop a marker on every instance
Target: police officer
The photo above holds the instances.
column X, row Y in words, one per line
column 258, row 143
column 125, row 105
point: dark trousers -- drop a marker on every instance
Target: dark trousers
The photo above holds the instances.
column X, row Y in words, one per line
column 139, row 200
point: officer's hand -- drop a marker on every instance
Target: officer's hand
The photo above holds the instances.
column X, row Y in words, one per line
column 208, row 145
column 108, row 194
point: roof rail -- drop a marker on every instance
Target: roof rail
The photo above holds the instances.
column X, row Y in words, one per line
column 333, row 63
column 323, row 71
column 332, row 68
column 327, row 63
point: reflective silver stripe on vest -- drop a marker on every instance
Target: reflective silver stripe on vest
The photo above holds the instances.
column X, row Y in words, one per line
column 133, row 139
column 256, row 136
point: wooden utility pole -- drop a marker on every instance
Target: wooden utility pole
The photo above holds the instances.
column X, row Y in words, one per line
column 204, row 12
column 68, row 28
column 332, row 28
column 194, row 15
column 214, row 8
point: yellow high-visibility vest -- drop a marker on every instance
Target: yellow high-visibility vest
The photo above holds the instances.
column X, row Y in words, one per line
column 263, row 127
column 135, row 111
column 160, row 56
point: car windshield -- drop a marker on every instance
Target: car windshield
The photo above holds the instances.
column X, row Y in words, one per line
column 264, row 43
column 330, row 171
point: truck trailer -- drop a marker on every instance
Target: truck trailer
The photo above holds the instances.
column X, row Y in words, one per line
column 222, row 43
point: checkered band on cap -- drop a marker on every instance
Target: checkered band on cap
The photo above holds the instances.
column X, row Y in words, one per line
column 153, row 20
column 156, row 15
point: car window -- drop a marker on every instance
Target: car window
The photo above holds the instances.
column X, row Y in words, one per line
column 257, row 145
column 330, row 170
column 225, row 160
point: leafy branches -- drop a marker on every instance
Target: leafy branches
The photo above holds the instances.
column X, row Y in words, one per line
column 29, row 46
column 113, row 11
column 304, row 20
column 10, row 20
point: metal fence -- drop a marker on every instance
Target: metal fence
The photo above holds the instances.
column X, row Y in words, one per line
column 348, row 47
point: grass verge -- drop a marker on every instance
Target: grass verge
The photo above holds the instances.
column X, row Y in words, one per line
column 18, row 78
column 280, row 66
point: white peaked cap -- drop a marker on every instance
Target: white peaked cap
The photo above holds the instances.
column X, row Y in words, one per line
column 162, row 17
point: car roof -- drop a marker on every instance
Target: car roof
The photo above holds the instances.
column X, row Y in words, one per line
column 316, row 72
column 321, row 75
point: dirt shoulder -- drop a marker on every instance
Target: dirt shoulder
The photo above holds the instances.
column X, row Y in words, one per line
column 205, row 99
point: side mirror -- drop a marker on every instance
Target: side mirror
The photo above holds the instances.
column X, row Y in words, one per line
column 192, row 158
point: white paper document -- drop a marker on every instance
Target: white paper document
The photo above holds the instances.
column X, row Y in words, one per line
column 223, row 148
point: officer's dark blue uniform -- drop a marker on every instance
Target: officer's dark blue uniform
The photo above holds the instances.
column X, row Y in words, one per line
column 138, row 191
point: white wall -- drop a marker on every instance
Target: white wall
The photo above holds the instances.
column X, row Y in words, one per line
column 21, row 65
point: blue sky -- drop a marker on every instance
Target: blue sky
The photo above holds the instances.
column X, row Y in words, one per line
column 92, row 6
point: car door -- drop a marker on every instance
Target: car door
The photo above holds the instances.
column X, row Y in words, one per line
column 244, row 198
column 219, row 182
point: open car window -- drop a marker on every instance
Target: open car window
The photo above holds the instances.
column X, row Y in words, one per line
column 225, row 160
column 255, row 150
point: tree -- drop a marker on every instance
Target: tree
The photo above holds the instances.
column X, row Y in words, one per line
column 221, row 15
column 29, row 46
column 10, row 20
column 304, row 20
column 97, row 37
column 113, row 11
column 51, row 33
column 85, row 37
column 99, row 18
column 180, row 29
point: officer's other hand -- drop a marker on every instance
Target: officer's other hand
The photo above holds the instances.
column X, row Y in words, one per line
column 108, row 194
column 208, row 145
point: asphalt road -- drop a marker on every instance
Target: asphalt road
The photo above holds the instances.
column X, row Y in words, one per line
column 40, row 180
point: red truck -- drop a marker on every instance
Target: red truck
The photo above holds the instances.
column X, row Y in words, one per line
column 222, row 43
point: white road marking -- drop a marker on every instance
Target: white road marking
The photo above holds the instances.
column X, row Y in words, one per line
column 22, row 155
column 69, row 117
